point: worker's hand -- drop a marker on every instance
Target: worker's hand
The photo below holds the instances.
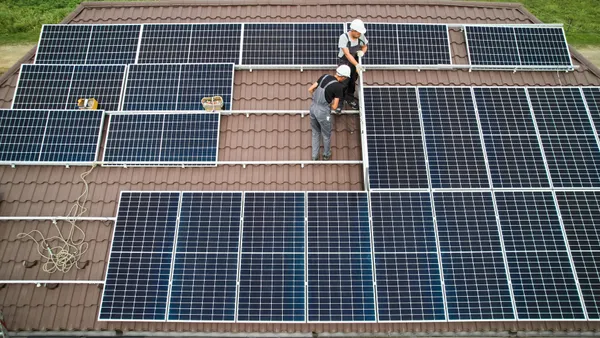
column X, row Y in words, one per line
column 360, row 53
column 360, row 69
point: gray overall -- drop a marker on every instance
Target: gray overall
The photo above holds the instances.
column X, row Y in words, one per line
column 321, row 121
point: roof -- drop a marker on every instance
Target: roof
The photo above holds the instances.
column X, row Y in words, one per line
column 50, row 191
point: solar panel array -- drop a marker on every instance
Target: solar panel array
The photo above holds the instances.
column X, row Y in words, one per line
column 171, row 138
column 517, row 47
column 515, row 132
column 49, row 136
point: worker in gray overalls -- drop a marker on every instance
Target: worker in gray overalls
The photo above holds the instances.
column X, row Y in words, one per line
column 352, row 44
column 327, row 93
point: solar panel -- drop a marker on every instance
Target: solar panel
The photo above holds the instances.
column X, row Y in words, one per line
column 474, row 275
column 340, row 280
column 165, row 43
column 517, row 47
column 272, row 258
column 316, row 43
column 88, row 44
column 406, row 262
column 268, row 44
column 60, row 86
column 177, row 87
column 567, row 137
column 543, row 282
column 137, row 278
column 67, row 136
column 592, row 97
column 383, row 44
column 448, row 110
column 206, row 259
column 215, row 43
column 167, row 138
column 513, row 152
column 580, row 212
column 395, row 146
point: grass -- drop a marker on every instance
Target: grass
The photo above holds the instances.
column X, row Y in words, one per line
column 22, row 19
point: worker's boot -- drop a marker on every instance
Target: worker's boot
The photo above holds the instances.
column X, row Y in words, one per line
column 326, row 157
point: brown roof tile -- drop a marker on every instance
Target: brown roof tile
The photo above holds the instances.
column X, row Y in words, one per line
column 51, row 191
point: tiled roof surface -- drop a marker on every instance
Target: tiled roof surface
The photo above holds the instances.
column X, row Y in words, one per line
column 50, row 191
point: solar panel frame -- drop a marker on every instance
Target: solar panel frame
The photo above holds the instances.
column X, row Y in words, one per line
column 153, row 158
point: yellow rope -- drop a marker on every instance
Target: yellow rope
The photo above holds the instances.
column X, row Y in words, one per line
column 68, row 252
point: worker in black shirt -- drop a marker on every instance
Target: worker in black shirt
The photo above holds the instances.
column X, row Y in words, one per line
column 327, row 94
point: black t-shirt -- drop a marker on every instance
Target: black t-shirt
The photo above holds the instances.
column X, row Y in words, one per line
column 334, row 90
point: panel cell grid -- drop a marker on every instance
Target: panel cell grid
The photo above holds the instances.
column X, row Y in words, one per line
column 21, row 134
column 272, row 266
column 592, row 97
column 215, row 43
column 63, row 44
column 423, row 44
column 268, row 44
column 543, row 282
column 492, row 46
column 165, row 43
column 448, row 110
column 206, row 260
column 340, row 278
column 475, row 278
column 542, row 46
column 383, row 44
column 391, row 111
column 113, row 44
column 406, row 262
column 315, row 43
column 102, row 82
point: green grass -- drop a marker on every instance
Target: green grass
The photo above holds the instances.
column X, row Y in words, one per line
column 21, row 20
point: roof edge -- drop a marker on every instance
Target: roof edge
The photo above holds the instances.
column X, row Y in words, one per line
column 13, row 69
column 100, row 4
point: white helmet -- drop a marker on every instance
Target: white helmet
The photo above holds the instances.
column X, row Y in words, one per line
column 343, row 70
column 358, row 25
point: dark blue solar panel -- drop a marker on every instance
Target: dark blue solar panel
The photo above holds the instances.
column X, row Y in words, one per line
column 340, row 280
column 383, row 44
column 315, row 43
column 21, row 134
column 137, row 281
column 177, row 87
column 456, row 161
column 269, row 44
column 215, row 43
column 43, row 87
column 396, row 162
column 168, row 138
column 504, row 110
column 391, row 111
column 205, row 269
column 102, row 83
column 190, row 138
column 165, row 43
column 542, row 46
column 529, row 221
column 543, row 282
column 146, row 222
column 560, row 111
column 72, row 136
column 340, row 287
column 204, row 80
column 210, row 222
column 592, row 97
column 402, row 222
column 136, row 287
column 476, row 286
column 60, row 86
column 516, row 161
column 152, row 87
column 573, row 160
column 113, row 44
column 448, row 110
column 63, row 44
column 587, row 265
column 466, row 221
column 421, row 44
column 472, row 261
column 134, row 138
column 338, row 222
column 203, row 287
column 543, row 285
column 580, row 211
column 492, row 46
column 406, row 263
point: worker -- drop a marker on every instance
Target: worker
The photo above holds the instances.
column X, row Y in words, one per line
column 327, row 93
column 352, row 45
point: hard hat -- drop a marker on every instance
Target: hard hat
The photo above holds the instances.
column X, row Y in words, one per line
column 343, row 70
column 358, row 25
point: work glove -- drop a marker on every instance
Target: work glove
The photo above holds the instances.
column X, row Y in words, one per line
column 360, row 69
column 360, row 53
